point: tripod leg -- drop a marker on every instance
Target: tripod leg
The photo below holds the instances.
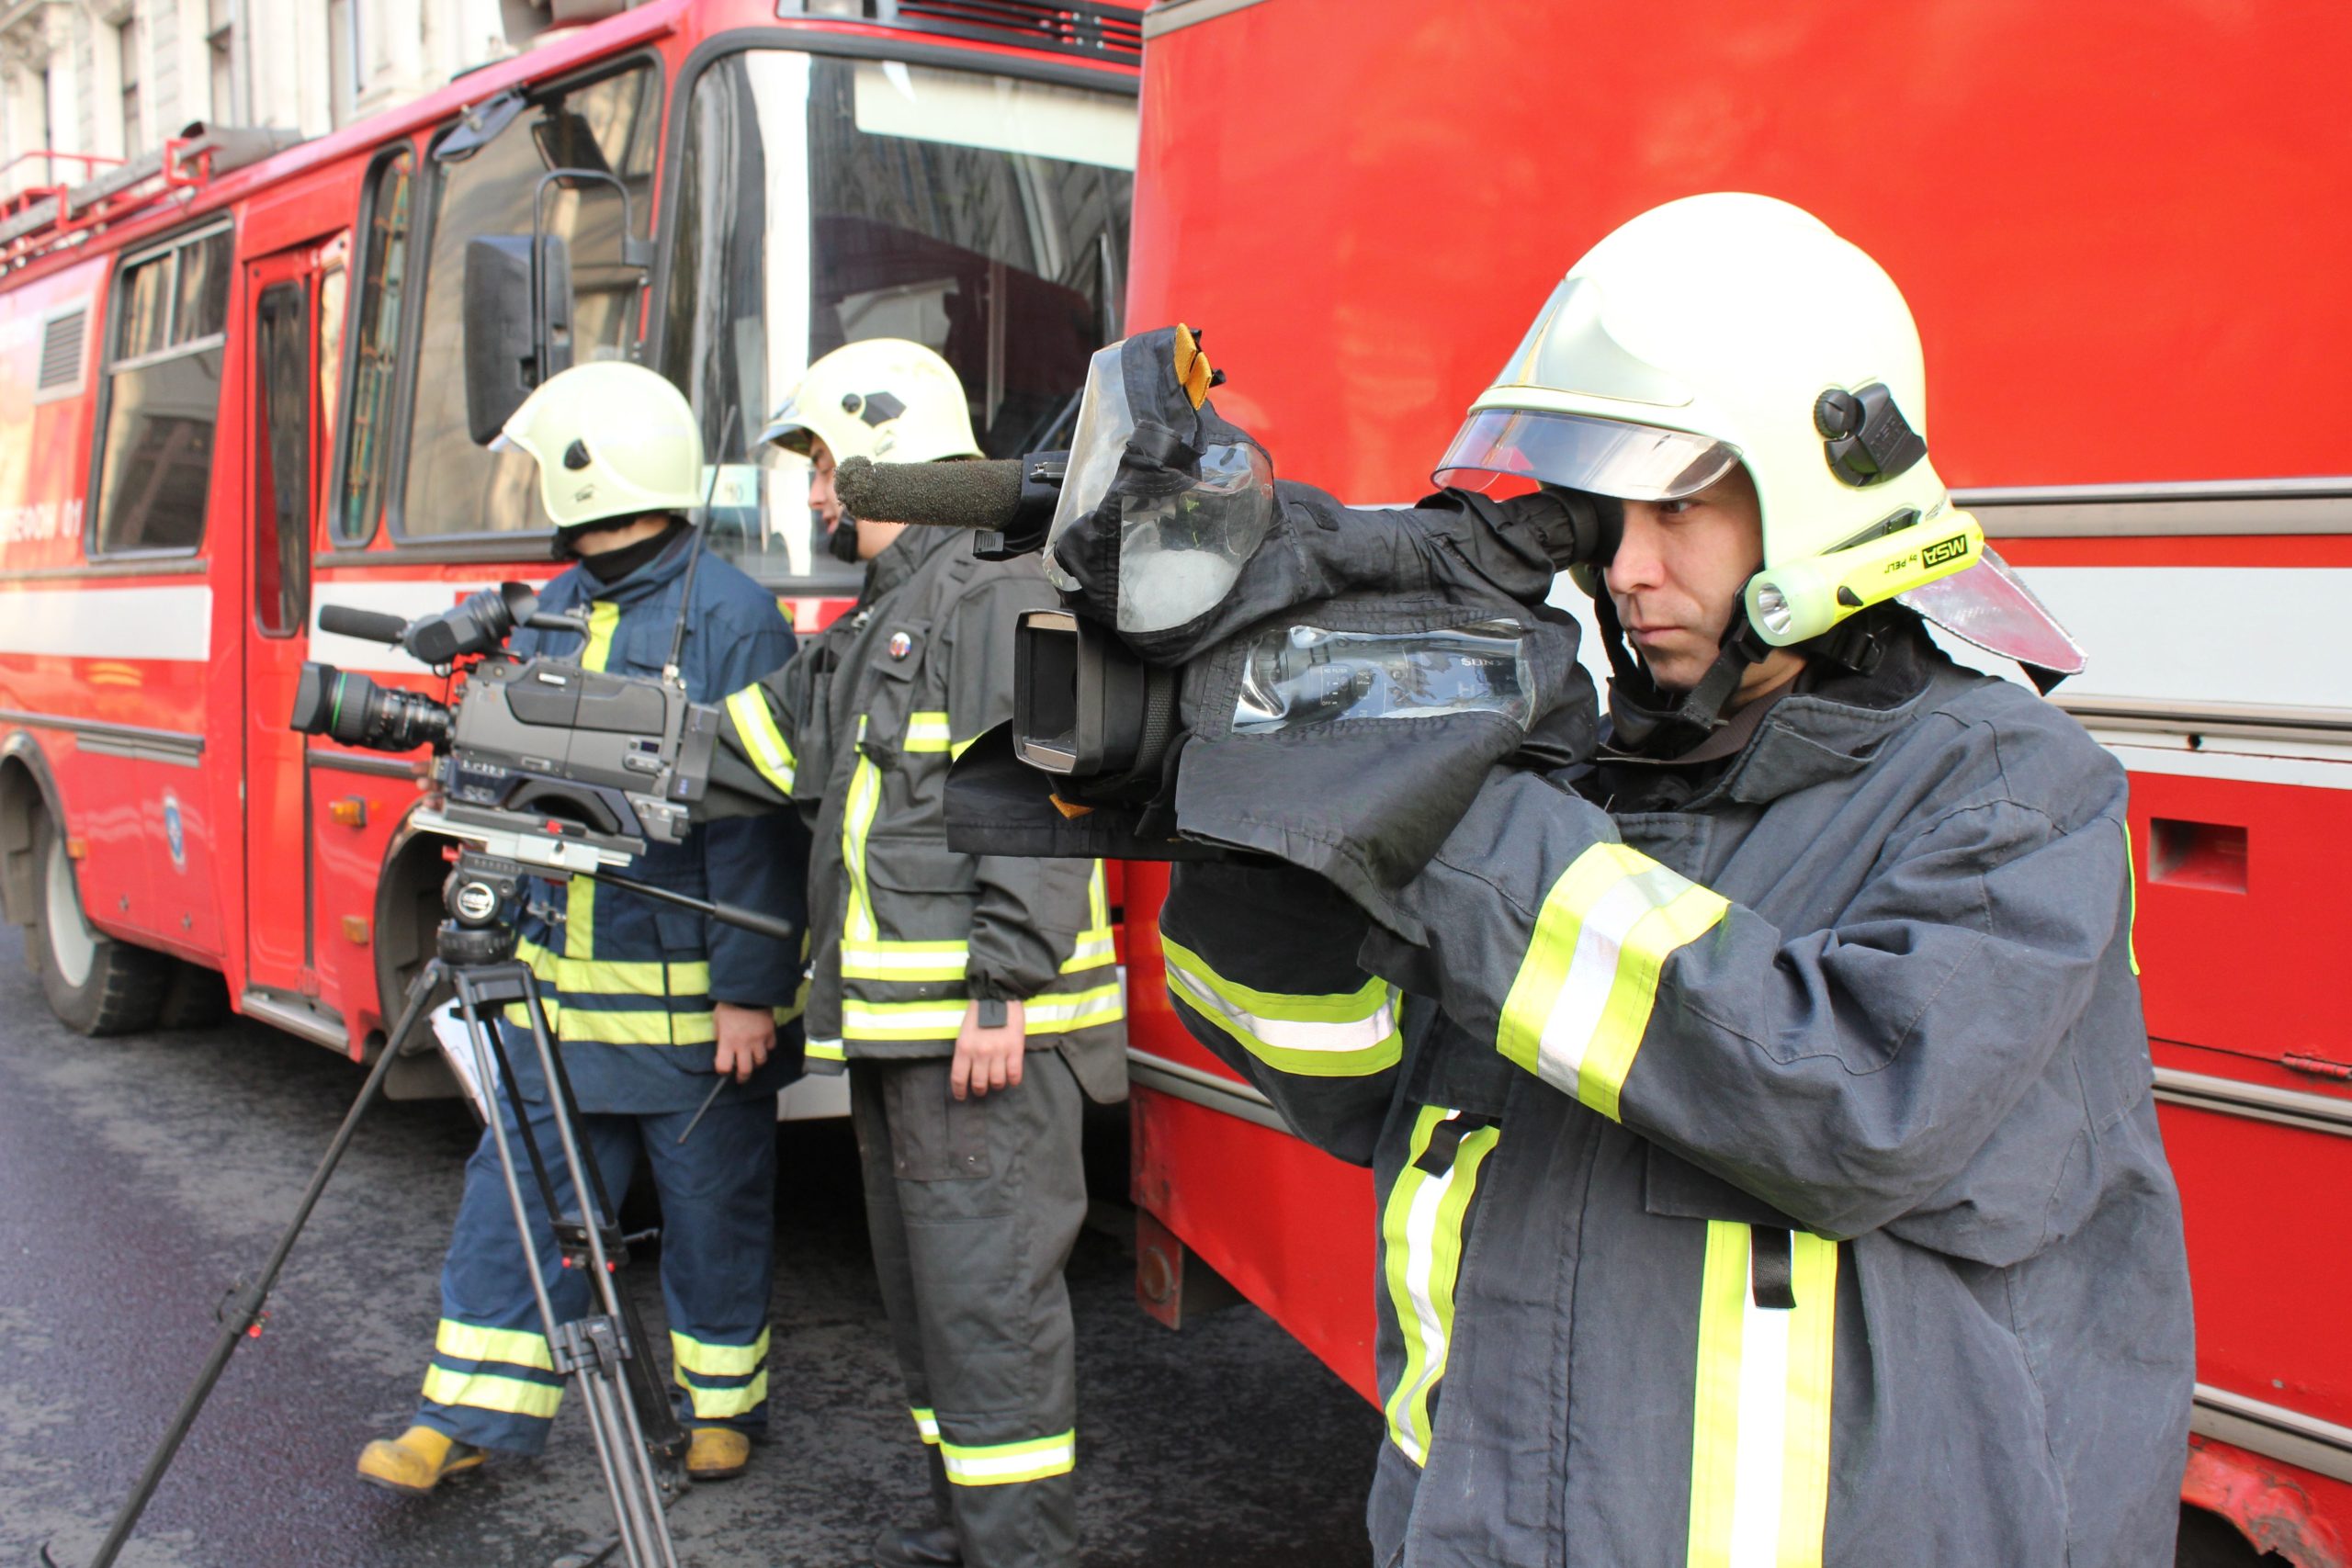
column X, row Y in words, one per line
column 589, row 1350
column 243, row 1316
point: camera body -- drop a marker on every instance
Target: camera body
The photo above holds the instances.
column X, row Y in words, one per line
column 540, row 759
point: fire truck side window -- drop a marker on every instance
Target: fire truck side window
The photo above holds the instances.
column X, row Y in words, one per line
column 282, row 463
column 448, row 484
column 384, row 290
column 162, row 398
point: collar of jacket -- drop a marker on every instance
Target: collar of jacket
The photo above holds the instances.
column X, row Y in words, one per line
column 905, row 557
column 1832, row 725
column 576, row 585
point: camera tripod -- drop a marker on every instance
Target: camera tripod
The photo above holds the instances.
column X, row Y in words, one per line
column 603, row 1354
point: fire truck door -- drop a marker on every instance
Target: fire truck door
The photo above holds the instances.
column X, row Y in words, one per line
column 294, row 300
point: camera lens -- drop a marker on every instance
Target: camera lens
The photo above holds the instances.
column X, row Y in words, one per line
column 352, row 709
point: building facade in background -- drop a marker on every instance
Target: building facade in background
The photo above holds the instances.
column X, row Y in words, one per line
column 111, row 78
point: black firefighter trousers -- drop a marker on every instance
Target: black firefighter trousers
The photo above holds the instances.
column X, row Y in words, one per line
column 973, row 1206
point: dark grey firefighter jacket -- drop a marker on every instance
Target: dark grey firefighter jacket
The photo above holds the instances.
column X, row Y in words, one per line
column 1771, row 1181
column 858, row 731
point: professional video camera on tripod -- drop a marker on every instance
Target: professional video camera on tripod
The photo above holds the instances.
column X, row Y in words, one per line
column 543, row 768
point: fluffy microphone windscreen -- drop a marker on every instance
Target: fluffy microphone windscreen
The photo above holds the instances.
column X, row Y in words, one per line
column 973, row 495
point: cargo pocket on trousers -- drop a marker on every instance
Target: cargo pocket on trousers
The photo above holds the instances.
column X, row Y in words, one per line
column 934, row 1136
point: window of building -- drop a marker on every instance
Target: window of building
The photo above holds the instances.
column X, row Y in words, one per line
column 383, row 289
column 449, row 485
column 219, row 43
column 822, row 201
column 162, row 397
column 126, row 47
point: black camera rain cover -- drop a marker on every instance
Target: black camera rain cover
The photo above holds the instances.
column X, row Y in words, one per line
column 1360, row 797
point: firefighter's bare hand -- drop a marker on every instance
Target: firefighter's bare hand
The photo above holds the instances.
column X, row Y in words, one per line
column 988, row 1058
column 746, row 1035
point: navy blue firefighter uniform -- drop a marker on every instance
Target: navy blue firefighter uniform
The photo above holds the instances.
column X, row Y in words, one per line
column 630, row 985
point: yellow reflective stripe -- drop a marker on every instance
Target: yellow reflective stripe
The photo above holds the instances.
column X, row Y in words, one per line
column 1346, row 1035
column 1582, row 998
column 472, row 1342
column 707, row 1361
column 1098, row 900
column 1094, row 949
column 480, row 1390
column 1759, row 1453
column 603, row 616
column 926, row 1423
column 900, row 1021
column 960, row 748
column 927, row 732
column 1420, row 1232
column 1052, row 1012
column 904, row 960
column 771, row 753
column 648, row 978
column 2132, row 917
column 857, row 819
column 598, row 1026
column 824, row 1051
column 718, row 1404
column 996, row 1465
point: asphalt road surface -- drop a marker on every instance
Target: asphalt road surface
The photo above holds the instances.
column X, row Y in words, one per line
column 141, row 1177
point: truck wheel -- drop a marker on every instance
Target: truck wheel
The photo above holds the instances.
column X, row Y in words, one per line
column 194, row 997
column 94, row 983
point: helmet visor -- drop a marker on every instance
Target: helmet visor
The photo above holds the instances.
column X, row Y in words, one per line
column 1632, row 462
column 788, row 433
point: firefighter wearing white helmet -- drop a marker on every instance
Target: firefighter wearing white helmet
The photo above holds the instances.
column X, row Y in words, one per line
column 613, row 441
column 883, row 399
column 1763, row 1147
column 620, row 465
column 974, row 1000
column 1736, row 331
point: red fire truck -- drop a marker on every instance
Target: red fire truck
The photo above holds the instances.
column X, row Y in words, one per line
column 231, row 383
column 2122, row 227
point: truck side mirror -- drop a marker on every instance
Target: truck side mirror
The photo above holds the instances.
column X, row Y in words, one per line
column 517, row 324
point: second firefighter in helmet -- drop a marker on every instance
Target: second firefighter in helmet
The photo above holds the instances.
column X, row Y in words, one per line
column 974, row 1000
column 882, row 398
column 648, row 1005
column 1789, row 395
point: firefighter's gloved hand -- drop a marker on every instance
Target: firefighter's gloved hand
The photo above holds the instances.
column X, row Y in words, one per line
column 988, row 1048
column 746, row 1035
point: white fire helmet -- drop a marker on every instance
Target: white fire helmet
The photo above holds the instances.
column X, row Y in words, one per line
column 612, row 440
column 882, row 398
column 1734, row 329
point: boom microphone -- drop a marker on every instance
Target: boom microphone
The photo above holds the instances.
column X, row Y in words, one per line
column 980, row 495
column 372, row 625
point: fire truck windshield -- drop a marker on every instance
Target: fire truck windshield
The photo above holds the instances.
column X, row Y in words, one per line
column 822, row 200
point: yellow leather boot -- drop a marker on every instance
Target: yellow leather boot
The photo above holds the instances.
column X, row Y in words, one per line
column 417, row 1460
column 718, row 1453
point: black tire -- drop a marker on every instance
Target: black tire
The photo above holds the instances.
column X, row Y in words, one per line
column 194, row 997
column 94, row 983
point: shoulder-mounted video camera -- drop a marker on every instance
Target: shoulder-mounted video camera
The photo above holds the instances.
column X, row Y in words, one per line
column 540, row 759
column 1248, row 664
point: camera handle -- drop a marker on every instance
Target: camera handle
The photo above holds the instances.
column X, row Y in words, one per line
column 598, row 1351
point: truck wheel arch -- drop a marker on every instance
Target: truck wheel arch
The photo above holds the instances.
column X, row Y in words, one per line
column 28, row 791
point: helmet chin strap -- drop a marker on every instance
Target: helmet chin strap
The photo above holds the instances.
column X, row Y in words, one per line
column 1699, row 711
